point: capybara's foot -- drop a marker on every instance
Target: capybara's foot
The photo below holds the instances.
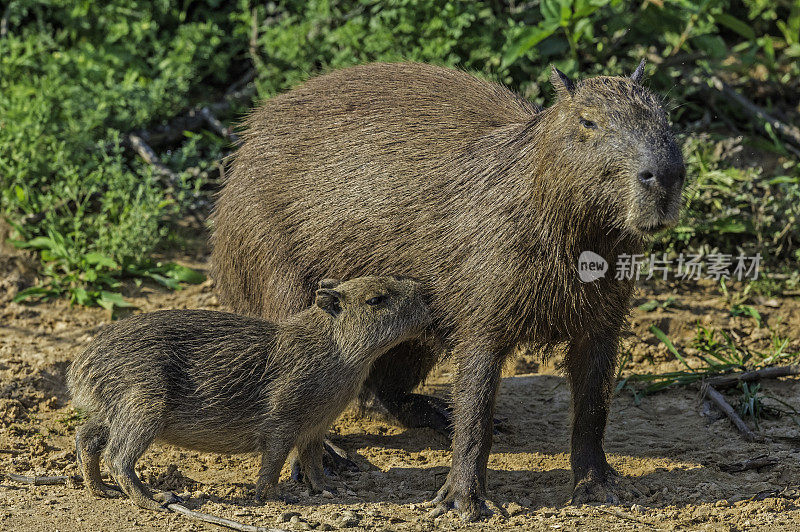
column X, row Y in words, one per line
column 165, row 498
column 149, row 504
column 104, row 490
column 422, row 411
column 596, row 488
column 470, row 506
column 336, row 460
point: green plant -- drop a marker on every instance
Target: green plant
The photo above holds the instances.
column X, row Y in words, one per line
column 716, row 350
column 77, row 76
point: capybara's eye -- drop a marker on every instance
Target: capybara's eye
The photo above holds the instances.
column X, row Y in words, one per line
column 588, row 124
column 377, row 300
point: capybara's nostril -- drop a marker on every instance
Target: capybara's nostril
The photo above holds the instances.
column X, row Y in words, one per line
column 671, row 176
column 647, row 177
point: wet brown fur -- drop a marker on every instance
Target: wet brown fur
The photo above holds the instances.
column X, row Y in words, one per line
column 420, row 170
column 221, row 382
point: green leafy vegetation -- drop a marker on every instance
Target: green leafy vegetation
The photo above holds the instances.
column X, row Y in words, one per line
column 717, row 354
column 76, row 77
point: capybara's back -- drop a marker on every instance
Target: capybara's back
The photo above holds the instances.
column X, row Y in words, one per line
column 349, row 172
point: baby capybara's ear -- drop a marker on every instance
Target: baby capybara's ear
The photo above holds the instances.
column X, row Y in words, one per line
column 329, row 300
column 329, row 283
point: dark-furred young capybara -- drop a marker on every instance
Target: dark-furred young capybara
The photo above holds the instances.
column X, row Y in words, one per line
column 419, row 170
column 220, row 382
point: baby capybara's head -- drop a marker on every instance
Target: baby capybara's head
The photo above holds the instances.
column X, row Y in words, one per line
column 373, row 314
column 616, row 126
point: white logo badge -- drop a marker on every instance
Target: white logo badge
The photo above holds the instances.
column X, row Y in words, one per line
column 591, row 266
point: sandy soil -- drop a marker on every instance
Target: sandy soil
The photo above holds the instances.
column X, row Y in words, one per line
column 671, row 449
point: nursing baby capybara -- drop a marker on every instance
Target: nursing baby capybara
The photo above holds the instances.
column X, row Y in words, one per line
column 220, row 382
column 420, row 170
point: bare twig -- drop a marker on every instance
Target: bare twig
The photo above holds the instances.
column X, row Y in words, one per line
column 150, row 157
column 726, row 381
column 4, row 21
column 221, row 521
column 753, row 463
column 218, row 126
column 175, row 507
column 722, row 404
column 789, row 132
column 254, row 57
column 194, row 119
column 44, row 481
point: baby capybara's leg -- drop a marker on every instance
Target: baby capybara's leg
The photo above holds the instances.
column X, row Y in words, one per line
column 90, row 440
column 276, row 449
column 126, row 444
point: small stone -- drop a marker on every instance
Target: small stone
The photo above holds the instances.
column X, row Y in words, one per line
column 327, row 494
column 295, row 519
column 514, row 509
column 285, row 517
column 526, row 502
column 637, row 508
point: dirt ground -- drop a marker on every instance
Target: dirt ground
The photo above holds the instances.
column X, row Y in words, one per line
column 672, row 449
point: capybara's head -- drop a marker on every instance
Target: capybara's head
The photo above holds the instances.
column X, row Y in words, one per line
column 614, row 129
column 375, row 313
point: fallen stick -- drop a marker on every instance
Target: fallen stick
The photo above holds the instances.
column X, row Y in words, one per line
column 44, row 481
column 722, row 404
column 175, row 507
column 753, row 463
column 726, row 381
column 221, row 521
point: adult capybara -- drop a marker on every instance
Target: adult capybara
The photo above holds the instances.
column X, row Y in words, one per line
column 425, row 171
column 221, row 382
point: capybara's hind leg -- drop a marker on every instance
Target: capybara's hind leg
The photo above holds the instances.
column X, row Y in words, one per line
column 126, row 445
column 90, row 440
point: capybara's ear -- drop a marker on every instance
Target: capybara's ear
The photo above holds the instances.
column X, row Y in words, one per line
column 638, row 74
column 329, row 300
column 329, row 283
column 561, row 83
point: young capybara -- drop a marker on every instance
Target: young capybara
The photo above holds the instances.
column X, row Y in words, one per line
column 425, row 171
column 220, row 382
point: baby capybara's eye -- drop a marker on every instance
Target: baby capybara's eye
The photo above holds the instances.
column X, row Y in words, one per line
column 377, row 300
column 588, row 124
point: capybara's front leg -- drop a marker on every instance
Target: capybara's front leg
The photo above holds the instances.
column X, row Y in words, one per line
column 276, row 450
column 475, row 390
column 590, row 364
column 310, row 455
